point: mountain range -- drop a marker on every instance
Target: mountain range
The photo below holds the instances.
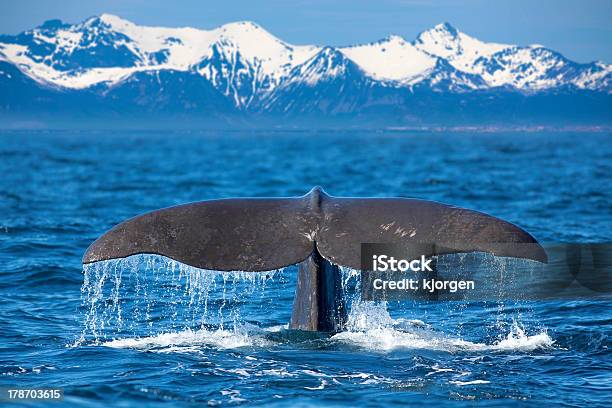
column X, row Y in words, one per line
column 107, row 71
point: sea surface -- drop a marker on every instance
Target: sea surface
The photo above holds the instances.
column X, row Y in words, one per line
column 147, row 331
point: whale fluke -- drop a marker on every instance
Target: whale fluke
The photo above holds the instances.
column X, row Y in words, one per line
column 224, row 235
column 258, row 234
column 322, row 231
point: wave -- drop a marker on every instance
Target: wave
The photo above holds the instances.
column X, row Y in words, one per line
column 370, row 327
column 192, row 340
column 402, row 334
column 388, row 339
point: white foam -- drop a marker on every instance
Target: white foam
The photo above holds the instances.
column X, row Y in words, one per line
column 518, row 340
column 373, row 339
column 282, row 372
column 387, row 339
column 184, row 341
column 474, row 382
column 321, row 386
column 371, row 327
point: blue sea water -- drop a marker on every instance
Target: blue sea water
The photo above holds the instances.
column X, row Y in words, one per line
column 148, row 331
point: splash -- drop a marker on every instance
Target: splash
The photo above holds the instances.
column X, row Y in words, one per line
column 144, row 295
column 370, row 325
column 399, row 336
column 194, row 340
column 149, row 302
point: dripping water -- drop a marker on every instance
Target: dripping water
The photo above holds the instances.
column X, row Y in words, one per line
column 148, row 300
column 497, row 275
column 144, row 295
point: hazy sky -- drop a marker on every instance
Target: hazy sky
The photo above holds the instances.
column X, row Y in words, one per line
column 582, row 30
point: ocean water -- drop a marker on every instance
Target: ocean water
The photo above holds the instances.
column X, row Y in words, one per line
column 149, row 331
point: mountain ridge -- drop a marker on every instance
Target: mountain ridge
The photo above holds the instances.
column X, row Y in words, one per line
column 243, row 69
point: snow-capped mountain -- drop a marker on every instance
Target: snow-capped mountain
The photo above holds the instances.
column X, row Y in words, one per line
column 327, row 76
column 108, row 49
column 391, row 59
column 242, row 67
column 523, row 67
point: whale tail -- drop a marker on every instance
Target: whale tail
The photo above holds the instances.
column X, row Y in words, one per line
column 317, row 230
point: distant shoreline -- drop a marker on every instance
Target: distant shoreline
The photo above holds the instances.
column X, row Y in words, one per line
column 390, row 129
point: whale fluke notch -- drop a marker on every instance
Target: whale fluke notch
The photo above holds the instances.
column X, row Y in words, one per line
column 317, row 231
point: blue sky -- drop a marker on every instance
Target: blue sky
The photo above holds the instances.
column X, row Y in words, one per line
column 581, row 30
